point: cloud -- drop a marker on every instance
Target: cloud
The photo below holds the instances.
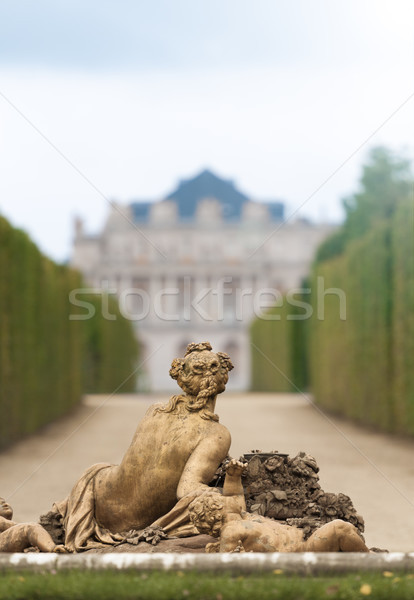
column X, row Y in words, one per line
column 188, row 34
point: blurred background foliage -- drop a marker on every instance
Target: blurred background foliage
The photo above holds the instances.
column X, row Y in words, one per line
column 47, row 360
column 110, row 350
column 361, row 367
column 279, row 348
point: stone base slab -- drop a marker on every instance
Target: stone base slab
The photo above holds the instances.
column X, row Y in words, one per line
column 307, row 563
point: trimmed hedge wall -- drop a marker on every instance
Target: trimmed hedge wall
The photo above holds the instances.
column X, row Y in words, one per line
column 279, row 349
column 270, row 352
column 42, row 352
column 402, row 241
column 350, row 359
column 363, row 367
column 111, row 350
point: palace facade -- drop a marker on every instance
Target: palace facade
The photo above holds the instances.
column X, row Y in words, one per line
column 198, row 265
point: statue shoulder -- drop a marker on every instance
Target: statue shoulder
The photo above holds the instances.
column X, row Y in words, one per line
column 153, row 409
column 219, row 433
column 222, row 431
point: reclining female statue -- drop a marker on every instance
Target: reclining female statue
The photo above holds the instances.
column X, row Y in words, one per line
column 225, row 517
column 16, row 537
column 175, row 451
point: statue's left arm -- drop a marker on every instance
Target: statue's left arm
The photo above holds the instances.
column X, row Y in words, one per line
column 204, row 461
column 232, row 482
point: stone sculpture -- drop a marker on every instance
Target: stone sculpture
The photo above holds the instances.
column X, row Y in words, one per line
column 225, row 516
column 167, row 488
column 288, row 489
column 175, row 452
column 16, row 537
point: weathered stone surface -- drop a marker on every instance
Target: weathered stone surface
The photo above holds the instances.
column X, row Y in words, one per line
column 288, row 489
column 224, row 516
column 174, row 452
column 275, row 485
column 194, row 544
column 307, row 563
column 176, row 449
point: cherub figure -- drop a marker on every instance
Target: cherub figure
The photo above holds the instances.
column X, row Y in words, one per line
column 16, row 537
column 225, row 516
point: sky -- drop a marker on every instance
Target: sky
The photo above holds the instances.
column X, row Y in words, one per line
column 120, row 99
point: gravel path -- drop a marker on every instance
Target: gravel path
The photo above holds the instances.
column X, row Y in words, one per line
column 375, row 470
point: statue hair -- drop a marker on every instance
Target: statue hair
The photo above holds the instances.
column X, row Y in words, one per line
column 194, row 347
column 190, row 404
column 193, row 403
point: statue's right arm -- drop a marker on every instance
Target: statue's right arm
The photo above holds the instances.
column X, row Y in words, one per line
column 204, row 461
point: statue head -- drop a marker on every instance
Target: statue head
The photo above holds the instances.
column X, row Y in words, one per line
column 207, row 512
column 202, row 373
column 6, row 510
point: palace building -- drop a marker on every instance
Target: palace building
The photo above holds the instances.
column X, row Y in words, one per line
column 198, row 265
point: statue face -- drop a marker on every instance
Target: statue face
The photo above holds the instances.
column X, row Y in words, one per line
column 6, row 510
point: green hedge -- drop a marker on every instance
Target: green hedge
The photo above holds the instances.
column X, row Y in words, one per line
column 111, row 349
column 350, row 359
column 42, row 352
column 270, row 352
column 363, row 367
column 279, row 348
column 402, row 240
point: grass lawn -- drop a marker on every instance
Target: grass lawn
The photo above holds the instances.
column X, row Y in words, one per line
column 100, row 585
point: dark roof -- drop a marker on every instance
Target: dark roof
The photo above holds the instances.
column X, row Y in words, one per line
column 206, row 185
column 140, row 211
column 276, row 210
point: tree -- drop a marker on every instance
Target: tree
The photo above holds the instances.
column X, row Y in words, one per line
column 386, row 181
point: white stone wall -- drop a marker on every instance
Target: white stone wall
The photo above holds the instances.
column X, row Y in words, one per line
column 159, row 268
